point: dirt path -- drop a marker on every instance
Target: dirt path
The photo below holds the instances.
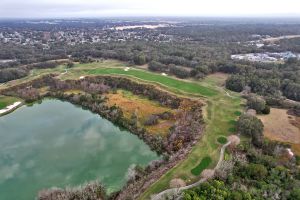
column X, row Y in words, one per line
column 63, row 73
column 177, row 191
column 226, row 92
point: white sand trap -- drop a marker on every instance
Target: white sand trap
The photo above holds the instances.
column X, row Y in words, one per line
column 127, row 69
column 290, row 152
column 10, row 107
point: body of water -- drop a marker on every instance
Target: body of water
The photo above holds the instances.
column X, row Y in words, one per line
column 57, row 144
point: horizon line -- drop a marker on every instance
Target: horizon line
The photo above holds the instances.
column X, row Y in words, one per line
column 162, row 16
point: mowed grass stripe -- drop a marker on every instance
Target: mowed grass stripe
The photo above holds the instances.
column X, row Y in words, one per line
column 205, row 162
column 188, row 87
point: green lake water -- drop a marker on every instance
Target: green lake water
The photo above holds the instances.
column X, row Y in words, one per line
column 57, row 144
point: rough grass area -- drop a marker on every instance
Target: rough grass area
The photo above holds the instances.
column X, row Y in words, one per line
column 142, row 108
column 6, row 101
column 280, row 126
column 205, row 162
column 222, row 140
column 74, row 91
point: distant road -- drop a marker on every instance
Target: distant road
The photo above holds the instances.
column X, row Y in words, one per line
column 275, row 39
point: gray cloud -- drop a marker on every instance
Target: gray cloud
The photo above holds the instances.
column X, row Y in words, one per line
column 54, row 8
column 98, row 8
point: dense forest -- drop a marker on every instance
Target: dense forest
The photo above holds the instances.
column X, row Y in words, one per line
column 270, row 80
column 193, row 50
column 254, row 169
column 252, row 173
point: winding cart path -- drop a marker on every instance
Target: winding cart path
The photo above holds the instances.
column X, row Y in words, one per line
column 174, row 191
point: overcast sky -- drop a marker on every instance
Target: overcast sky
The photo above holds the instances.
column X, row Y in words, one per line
column 114, row 8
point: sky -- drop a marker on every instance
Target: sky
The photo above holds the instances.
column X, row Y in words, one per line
column 118, row 8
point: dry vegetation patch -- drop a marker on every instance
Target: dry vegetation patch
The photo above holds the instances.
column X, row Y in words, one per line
column 219, row 78
column 177, row 183
column 74, row 91
column 281, row 126
column 142, row 108
column 296, row 122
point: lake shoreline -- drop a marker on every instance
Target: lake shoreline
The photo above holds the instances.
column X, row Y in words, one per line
column 56, row 132
column 10, row 108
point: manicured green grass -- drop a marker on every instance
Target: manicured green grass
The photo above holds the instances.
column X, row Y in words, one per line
column 232, row 129
column 2, row 105
column 222, row 140
column 5, row 101
column 205, row 162
column 188, row 87
column 238, row 113
column 233, row 122
column 219, row 114
column 34, row 74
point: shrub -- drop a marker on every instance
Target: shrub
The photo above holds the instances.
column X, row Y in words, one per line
column 256, row 103
column 251, row 126
column 152, row 120
column 179, row 72
column 295, row 195
column 157, row 66
column 236, row 195
column 297, row 160
column 166, row 115
column 237, row 113
column 256, row 171
column 267, row 110
column 209, row 190
column 139, row 59
column 92, row 191
column 235, row 83
column 222, row 140
column 70, row 64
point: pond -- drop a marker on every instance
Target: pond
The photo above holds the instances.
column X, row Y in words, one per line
column 57, row 144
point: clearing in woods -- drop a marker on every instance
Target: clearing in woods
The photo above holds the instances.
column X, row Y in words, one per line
column 282, row 127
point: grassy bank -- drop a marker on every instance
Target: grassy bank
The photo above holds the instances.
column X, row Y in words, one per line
column 6, row 101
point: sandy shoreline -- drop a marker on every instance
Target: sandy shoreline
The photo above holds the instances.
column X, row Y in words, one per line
column 10, row 107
